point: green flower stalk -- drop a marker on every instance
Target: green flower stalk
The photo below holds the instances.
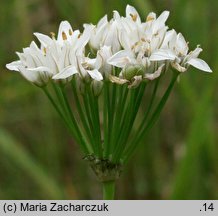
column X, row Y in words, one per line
column 96, row 80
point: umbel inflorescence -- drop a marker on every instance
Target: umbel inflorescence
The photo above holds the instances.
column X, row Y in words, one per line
column 142, row 50
column 109, row 67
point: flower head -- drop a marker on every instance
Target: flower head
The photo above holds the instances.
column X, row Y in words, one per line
column 57, row 59
column 138, row 51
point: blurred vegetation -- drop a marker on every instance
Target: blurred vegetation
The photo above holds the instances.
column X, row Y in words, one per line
column 38, row 158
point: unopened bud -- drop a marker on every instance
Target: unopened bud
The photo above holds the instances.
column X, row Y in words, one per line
column 132, row 71
column 97, row 87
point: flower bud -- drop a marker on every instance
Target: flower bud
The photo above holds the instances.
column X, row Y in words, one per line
column 132, row 71
column 96, row 87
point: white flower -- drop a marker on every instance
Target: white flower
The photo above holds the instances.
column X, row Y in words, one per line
column 140, row 50
column 103, row 55
column 96, row 37
column 148, row 36
column 139, row 40
column 56, row 58
column 81, row 65
column 106, row 33
column 175, row 49
column 33, row 65
column 134, row 68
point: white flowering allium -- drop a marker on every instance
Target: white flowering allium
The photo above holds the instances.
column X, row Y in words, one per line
column 59, row 58
column 141, row 50
column 96, row 80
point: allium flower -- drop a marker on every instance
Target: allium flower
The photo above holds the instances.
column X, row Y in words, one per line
column 59, row 58
column 175, row 49
column 106, row 33
column 148, row 48
column 124, row 51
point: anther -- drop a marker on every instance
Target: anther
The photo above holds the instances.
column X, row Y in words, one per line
column 134, row 17
column 64, row 36
column 44, row 50
column 149, row 18
column 52, row 35
column 70, row 32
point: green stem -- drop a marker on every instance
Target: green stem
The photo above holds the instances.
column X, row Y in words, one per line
column 122, row 98
column 54, row 104
column 153, row 96
column 105, row 120
column 130, row 119
column 143, row 122
column 83, row 142
column 108, row 190
column 107, row 99
column 81, row 113
column 63, row 117
column 94, row 108
column 152, row 120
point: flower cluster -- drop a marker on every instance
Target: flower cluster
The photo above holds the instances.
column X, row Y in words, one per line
column 122, row 50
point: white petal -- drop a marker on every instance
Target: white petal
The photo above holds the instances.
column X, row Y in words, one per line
column 102, row 21
column 38, row 76
column 34, row 46
column 169, row 38
column 178, row 67
column 97, row 33
column 116, row 15
column 117, row 80
column 90, row 63
column 112, row 37
column 136, row 82
column 163, row 17
column 193, row 54
column 84, row 38
column 121, row 58
column 154, row 75
column 102, row 55
column 66, row 29
column 125, row 40
column 29, row 75
column 44, row 73
column 151, row 16
column 14, row 65
column 181, row 45
column 44, row 39
column 66, row 73
column 95, row 74
column 101, row 61
column 162, row 54
column 132, row 13
column 160, row 21
column 82, row 71
column 199, row 64
column 41, row 69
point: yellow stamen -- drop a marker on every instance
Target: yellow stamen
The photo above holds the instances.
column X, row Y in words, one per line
column 44, row 50
column 64, row 36
column 134, row 17
column 70, row 32
column 52, row 35
column 149, row 18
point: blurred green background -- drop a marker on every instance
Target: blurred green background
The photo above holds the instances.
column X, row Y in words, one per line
column 38, row 158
